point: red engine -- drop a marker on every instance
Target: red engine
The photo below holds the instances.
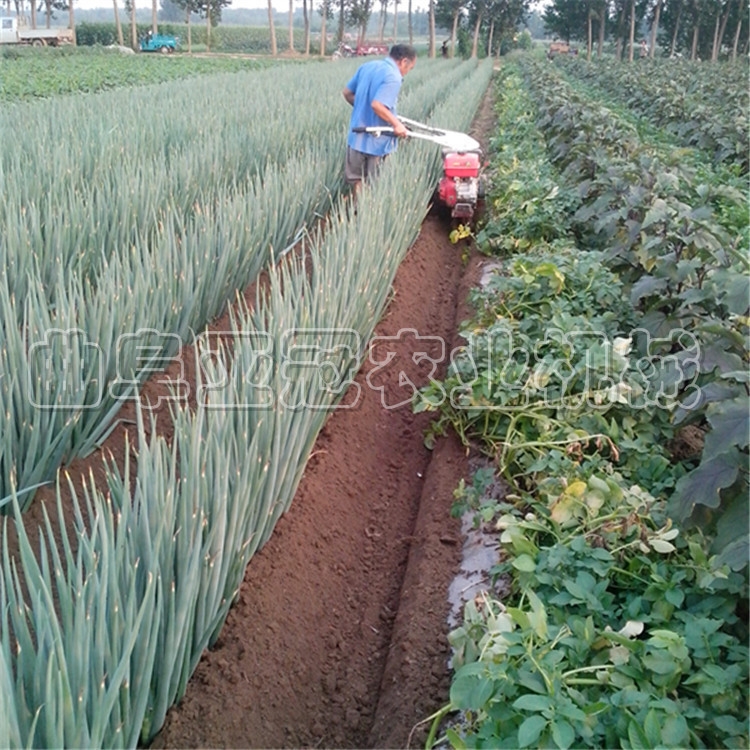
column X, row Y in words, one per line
column 459, row 187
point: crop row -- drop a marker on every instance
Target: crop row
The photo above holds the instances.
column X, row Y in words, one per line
column 711, row 116
column 616, row 628
column 122, row 239
column 162, row 549
column 42, row 73
column 682, row 247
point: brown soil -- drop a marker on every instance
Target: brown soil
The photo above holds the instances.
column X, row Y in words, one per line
column 338, row 637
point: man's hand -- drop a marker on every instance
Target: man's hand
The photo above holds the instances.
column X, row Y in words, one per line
column 399, row 129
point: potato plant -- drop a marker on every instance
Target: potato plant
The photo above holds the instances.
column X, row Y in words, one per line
column 624, row 626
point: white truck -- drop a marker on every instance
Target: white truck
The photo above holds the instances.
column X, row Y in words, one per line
column 13, row 33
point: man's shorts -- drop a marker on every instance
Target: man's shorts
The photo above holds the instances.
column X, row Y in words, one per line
column 360, row 166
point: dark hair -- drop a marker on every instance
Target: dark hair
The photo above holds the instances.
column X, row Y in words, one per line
column 403, row 52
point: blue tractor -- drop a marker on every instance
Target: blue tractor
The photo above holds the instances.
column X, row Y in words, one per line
column 164, row 43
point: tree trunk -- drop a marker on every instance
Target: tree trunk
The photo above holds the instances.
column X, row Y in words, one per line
column 72, row 21
column 154, row 16
column 723, row 28
column 737, row 37
column 381, row 20
column 411, row 28
column 673, row 46
column 694, row 48
column 307, row 27
column 589, row 38
column 133, row 30
column 189, row 31
column 33, row 13
column 323, row 31
column 654, row 29
column 395, row 21
column 715, row 42
column 272, row 28
column 602, row 22
column 620, row 33
column 118, row 25
column 631, row 36
column 475, row 42
column 342, row 17
column 489, row 41
column 291, row 25
column 431, row 19
column 453, row 34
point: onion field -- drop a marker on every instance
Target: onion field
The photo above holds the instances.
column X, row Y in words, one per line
column 128, row 227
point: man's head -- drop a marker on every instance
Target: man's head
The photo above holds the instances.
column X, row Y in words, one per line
column 405, row 57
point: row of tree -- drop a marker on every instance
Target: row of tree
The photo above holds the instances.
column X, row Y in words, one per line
column 700, row 29
column 489, row 21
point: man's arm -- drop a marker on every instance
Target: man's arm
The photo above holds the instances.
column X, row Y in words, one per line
column 349, row 96
column 385, row 114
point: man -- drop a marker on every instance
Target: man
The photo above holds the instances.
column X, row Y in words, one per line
column 373, row 93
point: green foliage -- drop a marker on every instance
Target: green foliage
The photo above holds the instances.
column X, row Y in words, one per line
column 619, row 631
column 525, row 200
column 680, row 238
column 43, row 73
column 703, row 106
column 224, row 38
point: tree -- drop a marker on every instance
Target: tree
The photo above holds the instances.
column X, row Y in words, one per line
column 567, row 19
column 272, row 28
column 291, row 25
column 447, row 15
column 133, row 28
column 118, row 25
column 325, row 13
column 211, row 11
column 381, row 24
column 477, row 10
column 359, row 13
column 655, row 27
column 189, row 7
column 506, row 17
column 741, row 13
column 306, row 18
column 431, row 16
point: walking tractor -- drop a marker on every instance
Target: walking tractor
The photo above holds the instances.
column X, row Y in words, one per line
column 460, row 189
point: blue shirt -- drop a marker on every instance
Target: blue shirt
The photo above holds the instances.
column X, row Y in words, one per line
column 379, row 80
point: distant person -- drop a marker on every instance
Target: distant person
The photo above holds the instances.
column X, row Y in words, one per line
column 444, row 49
column 373, row 94
column 644, row 48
